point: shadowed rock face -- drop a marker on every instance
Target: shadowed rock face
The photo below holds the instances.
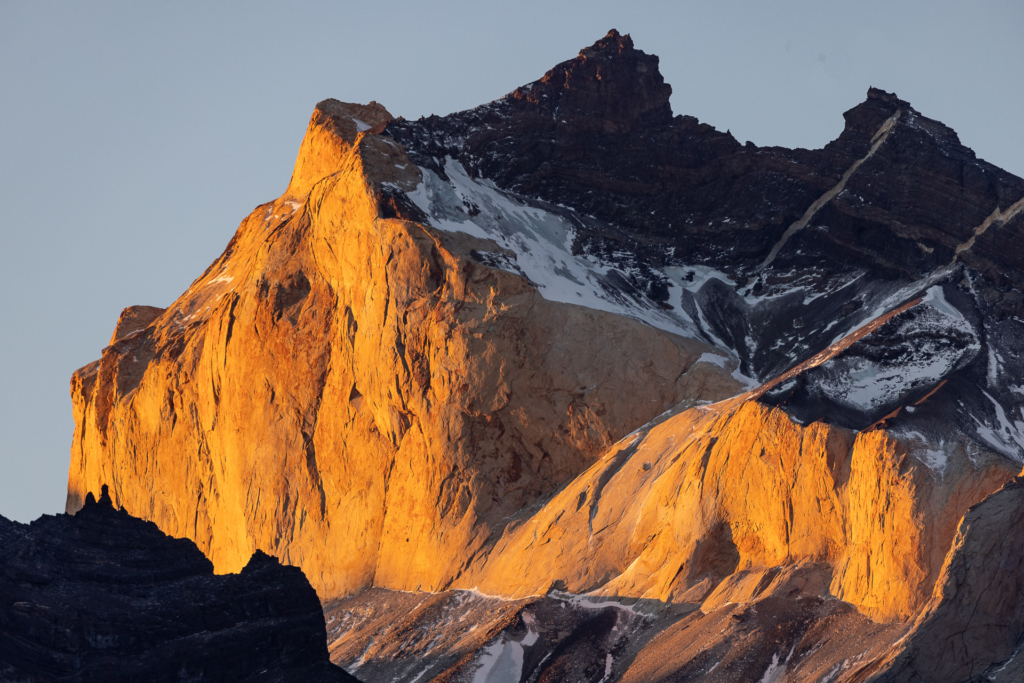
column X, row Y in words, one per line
column 104, row 596
column 570, row 343
column 597, row 133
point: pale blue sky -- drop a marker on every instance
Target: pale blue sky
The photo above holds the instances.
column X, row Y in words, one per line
column 135, row 136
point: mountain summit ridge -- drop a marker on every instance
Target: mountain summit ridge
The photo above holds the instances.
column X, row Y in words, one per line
column 673, row 175
column 107, row 596
column 610, row 82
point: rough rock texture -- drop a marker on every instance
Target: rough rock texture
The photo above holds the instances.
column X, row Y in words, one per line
column 973, row 627
column 104, row 596
column 569, row 341
column 772, row 253
column 597, row 133
column 673, row 512
column 462, row 636
column 357, row 394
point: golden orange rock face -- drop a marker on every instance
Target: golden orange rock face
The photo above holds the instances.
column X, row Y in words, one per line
column 701, row 507
column 356, row 394
column 361, row 397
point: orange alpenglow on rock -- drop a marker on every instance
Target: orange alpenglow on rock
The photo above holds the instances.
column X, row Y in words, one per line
column 561, row 344
column 338, row 382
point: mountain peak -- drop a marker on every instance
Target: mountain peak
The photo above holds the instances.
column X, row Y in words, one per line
column 608, row 87
column 332, row 131
column 887, row 97
column 495, row 348
column 612, row 41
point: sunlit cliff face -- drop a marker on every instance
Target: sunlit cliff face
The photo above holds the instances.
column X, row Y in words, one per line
column 460, row 354
column 362, row 395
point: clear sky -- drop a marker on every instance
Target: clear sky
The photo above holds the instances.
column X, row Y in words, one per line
column 135, row 136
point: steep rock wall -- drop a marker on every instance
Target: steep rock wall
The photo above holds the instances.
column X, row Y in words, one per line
column 972, row 628
column 672, row 512
column 356, row 394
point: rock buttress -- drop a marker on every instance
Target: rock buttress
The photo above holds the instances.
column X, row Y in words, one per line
column 358, row 395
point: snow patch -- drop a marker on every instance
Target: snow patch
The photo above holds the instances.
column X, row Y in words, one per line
column 500, row 662
column 713, row 359
column 831, row 674
column 900, row 296
column 776, row 670
column 934, row 456
column 932, row 340
column 608, row 661
column 1008, row 436
column 596, row 602
column 542, row 243
column 222, row 278
column 420, row 675
column 531, row 630
column 995, row 362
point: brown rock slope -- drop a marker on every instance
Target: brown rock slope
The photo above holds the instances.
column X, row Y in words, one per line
column 352, row 392
column 726, row 543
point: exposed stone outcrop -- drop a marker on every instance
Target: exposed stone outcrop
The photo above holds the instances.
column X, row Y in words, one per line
column 332, row 131
column 597, row 133
column 134, row 319
column 104, row 596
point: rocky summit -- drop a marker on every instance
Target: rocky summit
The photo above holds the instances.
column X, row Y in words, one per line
column 104, row 596
column 568, row 387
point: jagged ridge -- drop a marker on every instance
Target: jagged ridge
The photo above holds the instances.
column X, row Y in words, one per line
column 106, row 596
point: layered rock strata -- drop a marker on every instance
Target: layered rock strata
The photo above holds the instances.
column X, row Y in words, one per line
column 104, row 596
column 569, row 343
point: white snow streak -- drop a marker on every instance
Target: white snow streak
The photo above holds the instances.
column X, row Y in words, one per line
column 500, row 662
column 880, row 137
column 776, row 670
column 1008, row 437
column 542, row 244
column 608, row 661
column 864, row 383
column 713, row 359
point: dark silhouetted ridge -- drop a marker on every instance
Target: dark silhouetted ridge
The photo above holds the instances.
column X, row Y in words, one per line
column 104, row 596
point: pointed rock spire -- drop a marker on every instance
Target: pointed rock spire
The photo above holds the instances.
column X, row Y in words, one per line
column 609, row 86
column 332, row 131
